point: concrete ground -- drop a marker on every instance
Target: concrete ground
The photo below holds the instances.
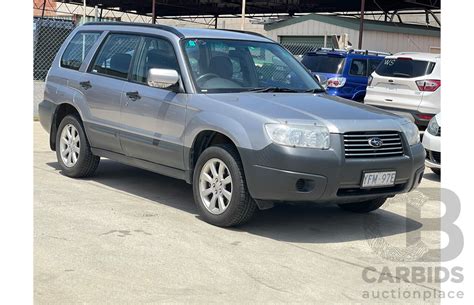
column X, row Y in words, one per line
column 127, row 236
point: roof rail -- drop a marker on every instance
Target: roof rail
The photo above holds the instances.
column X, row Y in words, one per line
column 369, row 52
column 245, row 32
column 330, row 49
column 154, row 26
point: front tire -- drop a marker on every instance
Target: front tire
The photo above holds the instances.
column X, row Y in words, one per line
column 73, row 150
column 437, row 171
column 363, row 207
column 219, row 187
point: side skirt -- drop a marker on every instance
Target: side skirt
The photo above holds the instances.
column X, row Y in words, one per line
column 150, row 166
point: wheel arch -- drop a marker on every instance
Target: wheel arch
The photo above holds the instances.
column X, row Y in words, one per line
column 60, row 112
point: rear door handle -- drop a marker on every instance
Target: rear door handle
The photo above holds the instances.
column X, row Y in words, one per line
column 133, row 95
column 86, row 84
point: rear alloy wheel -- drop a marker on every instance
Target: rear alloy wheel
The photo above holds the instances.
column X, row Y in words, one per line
column 363, row 207
column 219, row 187
column 73, row 150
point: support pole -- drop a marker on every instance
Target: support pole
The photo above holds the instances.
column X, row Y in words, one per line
column 361, row 25
column 44, row 7
column 96, row 13
column 242, row 20
column 215, row 21
column 84, row 14
column 153, row 12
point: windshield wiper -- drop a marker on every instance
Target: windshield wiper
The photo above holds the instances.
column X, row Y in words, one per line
column 273, row 89
column 316, row 90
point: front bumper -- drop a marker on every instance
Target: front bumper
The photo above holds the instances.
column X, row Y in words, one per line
column 432, row 145
column 279, row 173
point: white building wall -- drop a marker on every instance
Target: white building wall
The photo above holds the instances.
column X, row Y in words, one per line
column 373, row 40
column 313, row 28
column 399, row 42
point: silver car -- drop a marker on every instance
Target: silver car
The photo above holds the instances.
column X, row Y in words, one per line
column 232, row 113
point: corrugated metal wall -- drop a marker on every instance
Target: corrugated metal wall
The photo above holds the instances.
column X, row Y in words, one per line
column 381, row 41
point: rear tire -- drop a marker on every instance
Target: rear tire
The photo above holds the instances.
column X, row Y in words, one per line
column 219, row 187
column 437, row 171
column 73, row 149
column 363, row 207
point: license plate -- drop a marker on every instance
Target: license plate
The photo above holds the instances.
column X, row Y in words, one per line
column 379, row 179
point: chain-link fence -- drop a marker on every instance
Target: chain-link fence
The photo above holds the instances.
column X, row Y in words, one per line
column 48, row 35
column 299, row 49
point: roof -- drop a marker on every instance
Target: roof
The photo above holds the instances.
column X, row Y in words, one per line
column 187, row 32
column 226, row 7
column 417, row 55
column 353, row 23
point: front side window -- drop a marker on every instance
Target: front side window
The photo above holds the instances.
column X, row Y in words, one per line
column 155, row 53
column 77, row 49
column 358, row 67
column 115, row 55
column 221, row 65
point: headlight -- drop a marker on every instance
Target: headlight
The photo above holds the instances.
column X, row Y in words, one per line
column 411, row 133
column 433, row 127
column 312, row 136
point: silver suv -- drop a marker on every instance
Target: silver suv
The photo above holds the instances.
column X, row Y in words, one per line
column 232, row 113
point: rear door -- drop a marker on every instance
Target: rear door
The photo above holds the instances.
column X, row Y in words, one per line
column 102, row 87
column 357, row 77
column 394, row 83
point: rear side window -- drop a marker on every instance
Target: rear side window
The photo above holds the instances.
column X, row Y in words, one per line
column 373, row 64
column 324, row 63
column 77, row 49
column 405, row 68
column 115, row 55
column 358, row 67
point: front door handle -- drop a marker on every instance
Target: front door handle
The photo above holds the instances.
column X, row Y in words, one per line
column 133, row 95
column 86, row 84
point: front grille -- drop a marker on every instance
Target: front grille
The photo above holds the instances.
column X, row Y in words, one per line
column 356, row 144
column 357, row 191
column 433, row 156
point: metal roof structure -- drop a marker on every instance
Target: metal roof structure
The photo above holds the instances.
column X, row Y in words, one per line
column 369, row 25
column 233, row 7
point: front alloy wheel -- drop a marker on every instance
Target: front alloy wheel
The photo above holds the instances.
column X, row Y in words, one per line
column 215, row 186
column 219, row 187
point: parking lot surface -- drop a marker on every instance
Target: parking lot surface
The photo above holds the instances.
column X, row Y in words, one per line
column 128, row 236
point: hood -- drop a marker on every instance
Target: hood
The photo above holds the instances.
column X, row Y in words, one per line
column 338, row 114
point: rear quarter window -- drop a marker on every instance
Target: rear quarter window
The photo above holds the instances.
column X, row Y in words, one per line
column 404, row 68
column 77, row 49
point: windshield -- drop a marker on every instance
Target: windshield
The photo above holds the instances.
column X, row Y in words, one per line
column 323, row 63
column 220, row 65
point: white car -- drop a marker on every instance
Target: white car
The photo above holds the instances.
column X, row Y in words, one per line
column 432, row 144
column 407, row 84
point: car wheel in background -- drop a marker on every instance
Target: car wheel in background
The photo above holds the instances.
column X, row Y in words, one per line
column 364, row 207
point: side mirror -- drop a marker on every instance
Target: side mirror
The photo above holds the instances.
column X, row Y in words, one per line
column 162, row 78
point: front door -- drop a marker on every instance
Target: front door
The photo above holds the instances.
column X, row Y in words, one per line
column 152, row 118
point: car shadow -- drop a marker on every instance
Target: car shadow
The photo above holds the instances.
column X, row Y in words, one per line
column 307, row 223
column 429, row 175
